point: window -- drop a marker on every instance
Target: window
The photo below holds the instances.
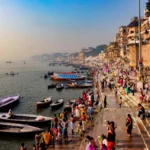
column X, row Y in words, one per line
column 131, row 32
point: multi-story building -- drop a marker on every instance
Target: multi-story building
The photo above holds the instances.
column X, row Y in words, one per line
column 101, row 57
column 123, row 40
column 133, row 41
column 81, row 56
column 112, row 51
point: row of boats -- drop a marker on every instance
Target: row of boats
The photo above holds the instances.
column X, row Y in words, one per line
column 18, row 123
column 23, row 123
column 48, row 102
column 12, row 73
column 54, row 105
column 73, row 84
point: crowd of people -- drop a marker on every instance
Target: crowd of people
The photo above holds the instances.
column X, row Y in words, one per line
column 82, row 111
column 121, row 83
column 68, row 124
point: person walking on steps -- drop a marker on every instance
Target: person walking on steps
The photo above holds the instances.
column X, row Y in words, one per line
column 105, row 101
column 129, row 125
column 120, row 102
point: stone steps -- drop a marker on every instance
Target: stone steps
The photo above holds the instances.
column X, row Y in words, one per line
column 144, row 129
column 143, row 126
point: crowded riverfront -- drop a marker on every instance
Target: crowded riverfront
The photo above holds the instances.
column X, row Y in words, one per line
column 87, row 121
column 68, row 81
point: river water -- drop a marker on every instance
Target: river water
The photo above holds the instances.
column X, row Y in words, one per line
column 32, row 87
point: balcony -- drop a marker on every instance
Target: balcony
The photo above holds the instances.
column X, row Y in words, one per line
column 130, row 42
column 132, row 35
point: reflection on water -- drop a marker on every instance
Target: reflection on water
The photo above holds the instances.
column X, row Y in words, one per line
column 32, row 88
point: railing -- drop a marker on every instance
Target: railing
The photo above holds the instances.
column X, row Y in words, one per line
column 133, row 42
column 132, row 35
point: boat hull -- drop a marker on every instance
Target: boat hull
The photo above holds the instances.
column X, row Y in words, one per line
column 18, row 129
column 55, row 78
column 26, row 120
column 57, row 105
column 79, row 86
column 44, row 104
column 9, row 105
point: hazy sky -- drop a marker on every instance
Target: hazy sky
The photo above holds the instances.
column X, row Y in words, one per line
column 29, row 27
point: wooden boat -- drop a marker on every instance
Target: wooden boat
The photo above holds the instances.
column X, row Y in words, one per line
column 66, row 76
column 52, row 86
column 59, row 86
column 24, row 118
column 45, row 76
column 50, row 73
column 44, row 103
column 84, row 85
column 72, row 101
column 9, row 102
column 12, row 73
column 69, row 105
column 57, row 104
column 8, row 62
column 15, row 128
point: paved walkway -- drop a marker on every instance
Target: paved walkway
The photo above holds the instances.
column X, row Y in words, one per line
column 113, row 113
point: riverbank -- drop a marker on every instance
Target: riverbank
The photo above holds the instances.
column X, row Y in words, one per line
column 140, row 138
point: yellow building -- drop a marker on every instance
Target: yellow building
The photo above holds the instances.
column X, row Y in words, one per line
column 81, row 56
column 123, row 40
column 133, row 41
column 101, row 57
column 112, row 51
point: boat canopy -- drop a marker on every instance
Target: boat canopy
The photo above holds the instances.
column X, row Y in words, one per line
column 67, row 76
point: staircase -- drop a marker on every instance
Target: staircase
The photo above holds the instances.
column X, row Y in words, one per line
column 143, row 126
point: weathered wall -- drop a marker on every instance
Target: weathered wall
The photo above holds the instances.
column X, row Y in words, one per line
column 145, row 54
column 133, row 55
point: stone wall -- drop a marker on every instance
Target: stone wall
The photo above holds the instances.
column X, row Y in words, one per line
column 133, row 55
column 145, row 54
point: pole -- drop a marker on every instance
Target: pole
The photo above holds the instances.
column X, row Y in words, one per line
column 139, row 38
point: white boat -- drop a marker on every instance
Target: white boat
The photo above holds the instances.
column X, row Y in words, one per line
column 72, row 101
column 69, row 105
column 24, row 118
column 15, row 128
column 9, row 102
column 44, row 103
column 59, row 86
column 57, row 104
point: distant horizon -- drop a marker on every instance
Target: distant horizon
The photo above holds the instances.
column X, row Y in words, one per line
column 36, row 27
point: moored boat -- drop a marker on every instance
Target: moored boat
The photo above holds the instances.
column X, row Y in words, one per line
column 50, row 73
column 66, row 76
column 68, row 106
column 12, row 73
column 24, row 118
column 44, row 103
column 57, row 104
column 59, row 86
column 45, row 76
column 15, row 128
column 79, row 85
column 52, row 86
column 9, row 102
column 72, row 101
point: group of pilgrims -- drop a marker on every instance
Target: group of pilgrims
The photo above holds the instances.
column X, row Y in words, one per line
column 68, row 125
column 74, row 123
